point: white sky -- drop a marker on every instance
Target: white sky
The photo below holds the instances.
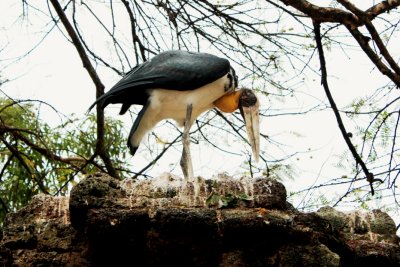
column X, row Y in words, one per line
column 54, row 73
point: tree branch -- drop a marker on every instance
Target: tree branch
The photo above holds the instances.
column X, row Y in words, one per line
column 324, row 82
column 135, row 37
column 17, row 155
column 151, row 163
column 374, row 34
column 329, row 14
column 43, row 151
column 100, row 148
column 363, row 42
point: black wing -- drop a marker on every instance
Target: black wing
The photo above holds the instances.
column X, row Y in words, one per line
column 173, row 70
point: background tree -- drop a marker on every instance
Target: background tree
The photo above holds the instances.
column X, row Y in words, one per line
column 37, row 158
column 277, row 48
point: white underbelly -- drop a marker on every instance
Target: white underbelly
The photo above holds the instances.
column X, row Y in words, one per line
column 172, row 104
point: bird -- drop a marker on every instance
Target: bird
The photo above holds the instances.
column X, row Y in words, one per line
column 181, row 85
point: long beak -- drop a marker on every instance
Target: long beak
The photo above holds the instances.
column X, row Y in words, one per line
column 249, row 108
column 252, row 121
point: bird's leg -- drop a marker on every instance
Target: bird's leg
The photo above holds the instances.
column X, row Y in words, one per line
column 186, row 160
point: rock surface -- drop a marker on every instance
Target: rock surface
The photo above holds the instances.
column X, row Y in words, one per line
column 170, row 222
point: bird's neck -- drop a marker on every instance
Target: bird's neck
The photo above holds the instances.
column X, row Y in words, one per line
column 228, row 102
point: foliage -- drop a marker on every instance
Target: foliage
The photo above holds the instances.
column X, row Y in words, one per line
column 38, row 158
column 227, row 200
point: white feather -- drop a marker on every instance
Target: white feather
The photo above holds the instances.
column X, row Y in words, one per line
column 172, row 104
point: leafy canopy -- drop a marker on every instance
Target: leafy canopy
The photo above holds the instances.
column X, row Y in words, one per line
column 36, row 157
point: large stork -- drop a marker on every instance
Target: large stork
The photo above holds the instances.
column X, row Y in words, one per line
column 182, row 85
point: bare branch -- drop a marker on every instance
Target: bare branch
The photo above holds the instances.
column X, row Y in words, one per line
column 364, row 44
column 100, row 148
column 374, row 34
column 336, row 15
column 324, row 82
column 135, row 37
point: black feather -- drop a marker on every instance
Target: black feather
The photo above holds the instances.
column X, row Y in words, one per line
column 135, row 125
column 171, row 70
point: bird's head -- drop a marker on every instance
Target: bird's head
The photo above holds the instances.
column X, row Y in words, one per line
column 246, row 101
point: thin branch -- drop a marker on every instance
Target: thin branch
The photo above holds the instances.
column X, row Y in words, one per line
column 135, row 37
column 393, row 148
column 374, row 34
column 363, row 42
column 18, row 155
column 43, row 151
column 151, row 163
column 324, row 82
